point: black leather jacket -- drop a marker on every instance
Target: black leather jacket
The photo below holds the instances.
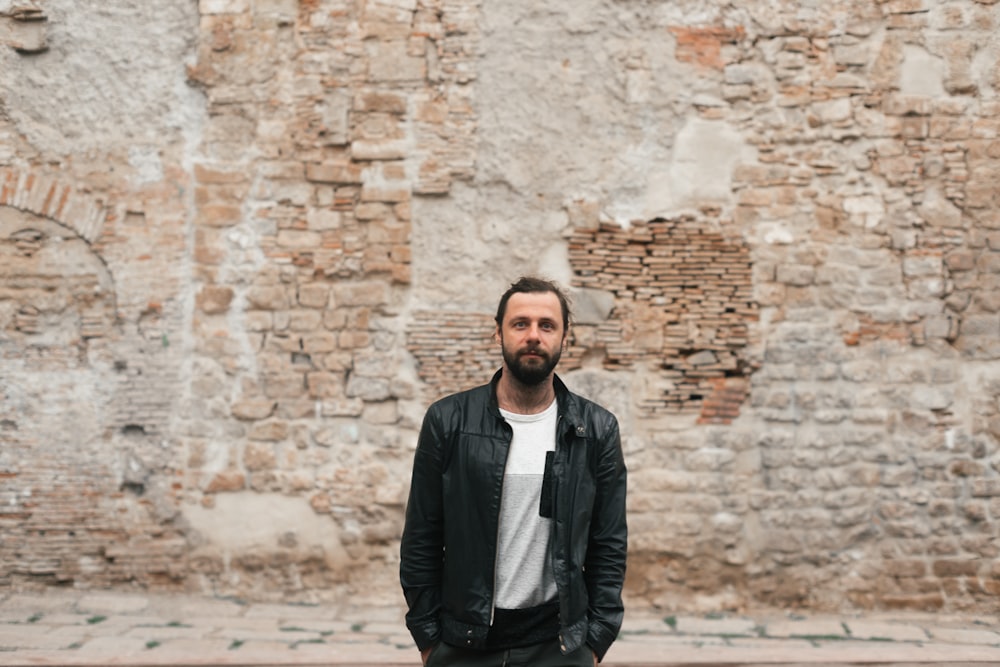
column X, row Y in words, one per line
column 449, row 544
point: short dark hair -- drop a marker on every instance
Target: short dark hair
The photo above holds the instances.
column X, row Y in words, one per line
column 531, row 284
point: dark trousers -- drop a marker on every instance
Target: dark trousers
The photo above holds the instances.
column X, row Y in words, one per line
column 546, row 654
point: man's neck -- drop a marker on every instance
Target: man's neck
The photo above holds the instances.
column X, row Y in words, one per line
column 514, row 396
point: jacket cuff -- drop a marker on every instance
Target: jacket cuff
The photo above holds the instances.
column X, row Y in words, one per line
column 425, row 635
column 599, row 640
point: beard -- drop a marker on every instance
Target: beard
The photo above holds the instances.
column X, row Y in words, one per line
column 530, row 371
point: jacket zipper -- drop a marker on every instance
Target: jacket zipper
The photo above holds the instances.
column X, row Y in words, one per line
column 496, row 541
column 555, row 515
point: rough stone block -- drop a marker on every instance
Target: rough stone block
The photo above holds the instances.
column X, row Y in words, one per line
column 324, row 220
column 284, row 385
column 360, row 294
column 981, row 325
column 341, row 173
column 383, row 149
column 304, row 320
column 325, row 385
column 214, row 299
column 392, row 61
column 267, row 298
column 272, row 430
column 226, row 482
column 26, row 36
column 219, row 215
column 285, row 10
column 344, row 407
column 368, row 388
column 922, row 266
column 295, row 239
column 259, row 456
column 207, row 7
column 314, row 295
column 986, row 488
column 384, row 412
column 955, row 568
column 335, row 117
column 797, row 275
column 253, row 408
column 381, row 101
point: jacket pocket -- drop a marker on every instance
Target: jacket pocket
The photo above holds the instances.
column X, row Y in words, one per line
column 545, row 503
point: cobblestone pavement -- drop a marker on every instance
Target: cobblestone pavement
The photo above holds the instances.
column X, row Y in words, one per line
column 73, row 628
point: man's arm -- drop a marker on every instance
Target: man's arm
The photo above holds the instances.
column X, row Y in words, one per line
column 422, row 545
column 608, row 546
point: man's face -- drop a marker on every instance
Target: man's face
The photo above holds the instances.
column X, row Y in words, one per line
column 532, row 336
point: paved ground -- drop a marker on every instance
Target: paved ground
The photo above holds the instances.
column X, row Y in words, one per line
column 98, row 628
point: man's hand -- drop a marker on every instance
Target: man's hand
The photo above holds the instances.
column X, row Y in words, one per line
column 426, row 653
column 595, row 660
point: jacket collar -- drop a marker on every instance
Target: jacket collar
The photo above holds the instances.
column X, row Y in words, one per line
column 567, row 400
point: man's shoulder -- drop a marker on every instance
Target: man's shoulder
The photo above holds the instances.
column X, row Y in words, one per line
column 461, row 398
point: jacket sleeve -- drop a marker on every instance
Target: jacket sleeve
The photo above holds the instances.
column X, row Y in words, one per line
column 422, row 544
column 608, row 545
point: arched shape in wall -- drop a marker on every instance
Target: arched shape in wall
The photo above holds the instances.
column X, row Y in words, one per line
column 58, row 383
column 58, row 293
column 48, row 197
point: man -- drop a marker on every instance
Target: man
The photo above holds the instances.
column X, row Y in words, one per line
column 513, row 551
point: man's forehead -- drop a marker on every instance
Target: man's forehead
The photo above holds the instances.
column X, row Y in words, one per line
column 538, row 304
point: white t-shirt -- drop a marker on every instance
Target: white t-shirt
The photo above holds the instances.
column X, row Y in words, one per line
column 524, row 569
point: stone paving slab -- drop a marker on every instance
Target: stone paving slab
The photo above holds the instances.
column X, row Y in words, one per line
column 251, row 625
column 644, row 625
column 796, row 653
column 88, row 629
column 884, row 630
column 112, row 603
column 689, row 625
column 198, row 646
column 965, row 636
column 806, row 628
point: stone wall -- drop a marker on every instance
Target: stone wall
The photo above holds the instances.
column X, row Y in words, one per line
column 244, row 243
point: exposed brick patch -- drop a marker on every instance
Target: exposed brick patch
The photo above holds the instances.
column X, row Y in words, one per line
column 454, row 351
column 683, row 306
column 868, row 331
column 690, row 287
column 723, row 404
column 703, row 46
